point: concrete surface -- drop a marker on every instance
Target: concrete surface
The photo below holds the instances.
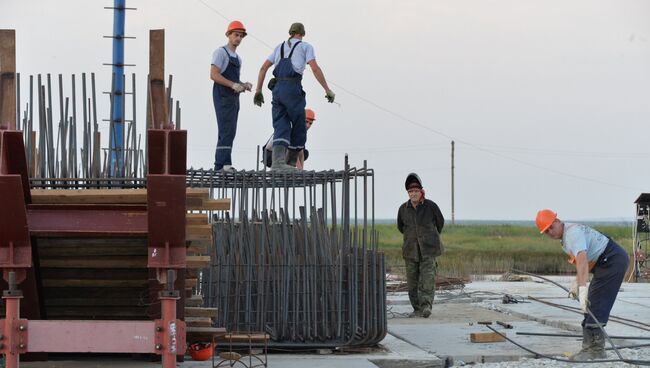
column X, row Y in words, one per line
column 443, row 339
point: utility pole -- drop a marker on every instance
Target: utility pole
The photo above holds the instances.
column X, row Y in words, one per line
column 453, row 214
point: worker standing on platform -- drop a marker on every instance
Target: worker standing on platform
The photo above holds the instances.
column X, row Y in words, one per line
column 290, row 59
column 224, row 71
column 592, row 252
column 421, row 222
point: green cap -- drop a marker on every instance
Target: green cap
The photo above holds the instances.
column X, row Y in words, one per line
column 297, row 28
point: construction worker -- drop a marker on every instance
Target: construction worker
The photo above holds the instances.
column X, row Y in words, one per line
column 421, row 222
column 224, row 71
column 310, row 117
column 592, row 252
column 290, row 59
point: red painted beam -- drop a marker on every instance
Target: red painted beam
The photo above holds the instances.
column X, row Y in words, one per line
column 87, row 220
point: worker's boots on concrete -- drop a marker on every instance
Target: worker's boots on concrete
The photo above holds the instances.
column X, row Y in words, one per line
column 426, row 311
column 593, row 345
column 292, row 157
column 280, row 158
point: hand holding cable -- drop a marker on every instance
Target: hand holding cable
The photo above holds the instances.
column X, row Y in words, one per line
column 330, row 95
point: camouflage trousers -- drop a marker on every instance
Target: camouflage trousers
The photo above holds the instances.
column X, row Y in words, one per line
column 421, row 280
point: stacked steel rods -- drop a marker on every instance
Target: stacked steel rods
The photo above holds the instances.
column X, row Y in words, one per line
column 284, row 263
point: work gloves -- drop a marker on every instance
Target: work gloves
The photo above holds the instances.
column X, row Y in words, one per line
column 329, row 95
column 258, row 99
column 573, row 290
column 582, row 296
column 248, row 86
column 238, row 87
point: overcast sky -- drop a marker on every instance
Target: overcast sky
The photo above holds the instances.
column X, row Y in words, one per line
column 548, row 100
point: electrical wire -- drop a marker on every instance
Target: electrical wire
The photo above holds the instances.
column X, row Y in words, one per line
column 600, row 326
column 443, row 134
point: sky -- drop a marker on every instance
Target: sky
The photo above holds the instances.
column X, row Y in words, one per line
column 548, row 101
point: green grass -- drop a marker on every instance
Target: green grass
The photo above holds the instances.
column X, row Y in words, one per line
column 486, row 249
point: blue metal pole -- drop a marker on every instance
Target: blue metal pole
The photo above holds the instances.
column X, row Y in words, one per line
column 116, row 163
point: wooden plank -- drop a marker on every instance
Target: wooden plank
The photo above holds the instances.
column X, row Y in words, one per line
column 203, row 193
column 158, row 112
column 194, row 301
column 95, row 312
column 196, row 249
column 89, row 196
column 198, row 321
column 8, row 78
column 197, row 261
column 105, row 262
column 481, row 337
column 222, row 204
column 200, row 312
column 205, row 333
column 198, row 232
column 196, row 219
column 91, row 247
column 90, row 302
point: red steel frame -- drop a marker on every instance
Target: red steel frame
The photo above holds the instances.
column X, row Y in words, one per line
column 162, row 220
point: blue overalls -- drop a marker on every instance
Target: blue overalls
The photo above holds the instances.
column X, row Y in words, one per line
column 608, row 273
column 226, row 106
column 288, row 109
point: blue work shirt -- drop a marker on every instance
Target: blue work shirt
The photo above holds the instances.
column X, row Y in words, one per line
column 303, row 54
column 578, row 237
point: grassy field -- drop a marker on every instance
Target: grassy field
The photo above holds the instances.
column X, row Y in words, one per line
column 494, row 249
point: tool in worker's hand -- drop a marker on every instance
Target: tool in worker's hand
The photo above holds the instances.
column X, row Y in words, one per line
column 573, row 290
column 504, row 324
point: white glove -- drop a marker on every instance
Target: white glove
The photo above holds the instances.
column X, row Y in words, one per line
column 238, row 87
column 582, row 296
column 248, row 86
column 573, row 290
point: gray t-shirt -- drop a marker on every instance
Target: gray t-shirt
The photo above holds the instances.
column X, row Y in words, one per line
column 578, row 237
column 220, row 58
column 303, row 54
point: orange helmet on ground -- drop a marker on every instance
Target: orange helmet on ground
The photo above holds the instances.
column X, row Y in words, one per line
column 200, row 351
column 544, row 220
column 236, row 25
column 310, row 114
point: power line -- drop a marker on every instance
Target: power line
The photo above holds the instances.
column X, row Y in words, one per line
column 441, row 133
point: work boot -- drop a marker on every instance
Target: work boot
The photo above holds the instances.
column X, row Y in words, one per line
column 593, row 345
column 415, row 314
column 279, row 158
column 426, row 311
column 292, row 157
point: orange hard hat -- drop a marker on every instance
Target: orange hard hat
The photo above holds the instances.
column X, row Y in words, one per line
column 310, row 114
column 544, row 220
column 236, row 25
column 200, row 351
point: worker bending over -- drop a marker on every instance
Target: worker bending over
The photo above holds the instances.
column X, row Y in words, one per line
column 310, row 117
column 592, row 252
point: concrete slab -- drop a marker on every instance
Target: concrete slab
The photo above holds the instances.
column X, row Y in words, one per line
column 436, row 341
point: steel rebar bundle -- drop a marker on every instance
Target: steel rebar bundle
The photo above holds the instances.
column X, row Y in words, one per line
column 283, row 263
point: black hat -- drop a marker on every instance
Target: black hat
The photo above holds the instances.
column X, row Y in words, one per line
column 411, row 179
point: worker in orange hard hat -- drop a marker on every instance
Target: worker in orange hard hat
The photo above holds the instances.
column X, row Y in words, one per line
column 596, row 253
column 310, row 117
column 225, row 73
column 290, row 58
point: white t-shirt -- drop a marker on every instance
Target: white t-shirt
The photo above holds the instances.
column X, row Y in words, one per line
column 303, row 54
column 221, row 58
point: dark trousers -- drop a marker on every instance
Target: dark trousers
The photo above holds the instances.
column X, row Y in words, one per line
column 226, row 107
column 608, row 277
